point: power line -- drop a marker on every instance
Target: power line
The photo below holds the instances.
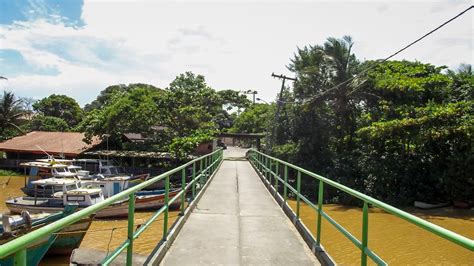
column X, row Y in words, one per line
column 388, row 58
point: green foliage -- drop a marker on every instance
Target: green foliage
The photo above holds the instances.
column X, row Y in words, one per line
column 60, row 106
column 129, row 111
column 48, row 123
column 401, row 132
column 233, row 99
column 255, row 119
column 106, row 96
column 182, row 146
column 175, row 119
column 12, row 114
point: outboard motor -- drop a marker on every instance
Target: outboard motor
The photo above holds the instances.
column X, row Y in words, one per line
column 14, row 222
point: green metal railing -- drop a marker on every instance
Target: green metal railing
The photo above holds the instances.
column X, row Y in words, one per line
column 207, row 166
column 264, row 164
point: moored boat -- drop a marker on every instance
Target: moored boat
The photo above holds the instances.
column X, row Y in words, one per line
column 63, row 242
column 44, row 169
column 155, row 199
column 80, row 197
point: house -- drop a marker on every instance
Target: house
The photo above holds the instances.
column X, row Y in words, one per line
column 37, row 144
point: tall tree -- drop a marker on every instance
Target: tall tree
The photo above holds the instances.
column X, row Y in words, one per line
column 11, row 112
column 105, row 96
column 135, row 110
column 60, row 106
column 255, row 119
column 326, row 112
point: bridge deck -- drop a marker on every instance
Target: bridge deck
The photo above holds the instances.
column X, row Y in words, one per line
column 237, row 222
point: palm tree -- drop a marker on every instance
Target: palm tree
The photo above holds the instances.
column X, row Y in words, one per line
column 334, row 64
column 11, row 112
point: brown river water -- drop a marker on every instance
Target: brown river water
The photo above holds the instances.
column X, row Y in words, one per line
column 393, row 239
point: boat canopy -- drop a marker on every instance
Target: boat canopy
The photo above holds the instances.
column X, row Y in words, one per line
column 55, row 181
column 43, row 165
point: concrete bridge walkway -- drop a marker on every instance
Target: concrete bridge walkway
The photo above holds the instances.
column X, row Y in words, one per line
column 237, row 222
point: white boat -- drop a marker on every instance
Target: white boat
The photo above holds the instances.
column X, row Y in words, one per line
column 43, row 169
column 82, row 197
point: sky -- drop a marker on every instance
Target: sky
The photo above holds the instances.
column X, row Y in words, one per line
column 79, row 47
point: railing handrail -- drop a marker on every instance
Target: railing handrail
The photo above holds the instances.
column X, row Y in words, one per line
column 438, row 230
column 19, row 243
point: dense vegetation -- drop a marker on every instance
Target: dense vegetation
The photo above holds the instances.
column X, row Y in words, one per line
column 402, row 131
column 399, row 130
column 174, row 119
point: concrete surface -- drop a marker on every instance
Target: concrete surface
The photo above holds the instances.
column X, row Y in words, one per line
column 85, row 256
column 237, row 222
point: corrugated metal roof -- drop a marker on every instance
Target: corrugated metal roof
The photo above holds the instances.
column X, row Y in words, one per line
column 67, row 143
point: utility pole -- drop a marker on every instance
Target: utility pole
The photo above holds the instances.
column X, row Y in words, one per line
column 279, row 103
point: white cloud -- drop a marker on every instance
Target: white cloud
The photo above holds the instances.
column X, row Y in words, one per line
column 236, row 45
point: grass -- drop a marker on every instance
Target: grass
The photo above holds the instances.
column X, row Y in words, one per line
column 8, row 173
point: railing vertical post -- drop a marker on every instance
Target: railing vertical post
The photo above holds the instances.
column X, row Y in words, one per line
column 260, row 166
column 193, row 180
column 277, row 172
column 285, row 192
column 365, row 231
column 269, row 162
column 208, row 169
column 320, row 209
column 298, row 191
column 265, row 159
column 201, row 173
column 20, row 258
column 211, row 165
column 131, row 221
column 165, row 218
column 183, row 189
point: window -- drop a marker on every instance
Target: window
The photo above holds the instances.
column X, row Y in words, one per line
column 75, row 198
column 95, row 196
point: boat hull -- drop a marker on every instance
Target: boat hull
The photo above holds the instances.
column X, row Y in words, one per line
column 148, row 202
column 115, row 210
column 70, row 237
column 34, row 252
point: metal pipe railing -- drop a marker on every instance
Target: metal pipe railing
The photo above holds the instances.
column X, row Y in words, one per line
column 18, row 246
column 263, row 164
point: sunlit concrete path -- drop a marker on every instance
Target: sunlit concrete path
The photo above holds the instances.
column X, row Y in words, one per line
column 237, row 222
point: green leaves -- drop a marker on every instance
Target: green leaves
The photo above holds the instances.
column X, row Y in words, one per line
column 255, row 119
column 48, row 123
column 12, row 114
column 175, row 119
column 60, row 106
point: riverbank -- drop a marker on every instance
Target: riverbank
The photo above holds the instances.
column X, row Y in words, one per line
column 393, row 239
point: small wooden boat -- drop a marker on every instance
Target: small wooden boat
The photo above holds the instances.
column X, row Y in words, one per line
column 155, row 199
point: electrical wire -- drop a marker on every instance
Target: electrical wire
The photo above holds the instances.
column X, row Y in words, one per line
column 387, row 58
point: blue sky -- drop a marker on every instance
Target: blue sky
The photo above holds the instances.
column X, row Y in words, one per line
column 78, row 48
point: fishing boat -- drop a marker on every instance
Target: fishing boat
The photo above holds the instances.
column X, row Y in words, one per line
column 63, row 242
column 149, row 199
column 82, row 197
column 44, row 169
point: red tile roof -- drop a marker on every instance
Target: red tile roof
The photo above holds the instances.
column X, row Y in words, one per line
column 54, row 143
